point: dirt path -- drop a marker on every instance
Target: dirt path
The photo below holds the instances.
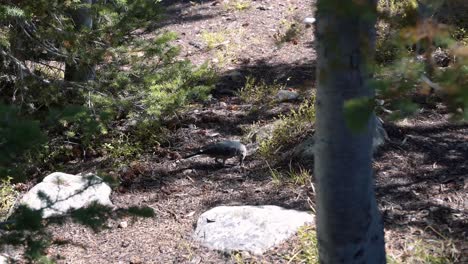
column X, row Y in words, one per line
column 421, row 174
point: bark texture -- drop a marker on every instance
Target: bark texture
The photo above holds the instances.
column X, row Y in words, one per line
column 81, row 71
column 349, row 225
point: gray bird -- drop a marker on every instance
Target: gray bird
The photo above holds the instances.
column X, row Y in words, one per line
column 223, row 150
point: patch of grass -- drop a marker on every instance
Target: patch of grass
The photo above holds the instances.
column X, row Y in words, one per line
column 438, row 250
column 290, row 127
column 300, row 176
column 213, row 39
column 308, row 247
column 258, row 92
column 289, row 31
column 238, row 5
column 238, row 258
column 290, row 27
column 430, row 252
column 7, row 198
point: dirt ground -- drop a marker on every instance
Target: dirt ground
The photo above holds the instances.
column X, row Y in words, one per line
column 421, row 173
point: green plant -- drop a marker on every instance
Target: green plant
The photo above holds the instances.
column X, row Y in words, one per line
column 433, row 252
column 300, row 176
column 290, row 127
column 238, row 5
column 213, row 39
column 7, row 198
column 289, row 31
column 258, row 92
column 308, row 247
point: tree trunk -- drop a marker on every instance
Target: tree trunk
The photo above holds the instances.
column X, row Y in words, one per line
column 349, row 225
column 81, row 72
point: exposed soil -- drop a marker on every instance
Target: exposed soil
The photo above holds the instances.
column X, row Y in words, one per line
column 421, row 174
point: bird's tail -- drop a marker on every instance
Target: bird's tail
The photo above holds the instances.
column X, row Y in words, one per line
column 193, row 154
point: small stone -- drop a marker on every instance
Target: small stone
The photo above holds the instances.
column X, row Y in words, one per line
column 222, row 105
column 196, row 260
column 287, row 95
column 263, row 8
column 309, row 20
column 125, row 244
column 123, row 224
column 196, row 44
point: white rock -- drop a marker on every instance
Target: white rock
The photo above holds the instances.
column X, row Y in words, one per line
column 286, row 95
column 248, row 228
column 67, row 192
column 309, row 20
column 123, row 224
column 3, row 259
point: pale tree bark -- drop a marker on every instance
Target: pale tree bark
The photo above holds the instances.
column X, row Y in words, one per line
column 80, row 71
column 349, row 225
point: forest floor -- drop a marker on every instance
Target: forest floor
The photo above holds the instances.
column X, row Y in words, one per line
column 421, row 172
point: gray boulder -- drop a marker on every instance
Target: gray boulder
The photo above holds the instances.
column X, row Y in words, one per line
column 65, row 192
column 248, row 228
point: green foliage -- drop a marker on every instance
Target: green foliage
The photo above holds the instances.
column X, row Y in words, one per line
column 79, row 123
column 290, row 127
column 10, row 12
column 8, row 197
column 138, row 79
column 238, row 5
column 19, row 136
column 213, row 39
column 299, row 177
column 428, row 252
column 177, row 84
column 289, row 31
column 406, row 54
column 258, row 92
column 308, row 247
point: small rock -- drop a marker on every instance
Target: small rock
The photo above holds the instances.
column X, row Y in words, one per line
column 309, row 20
column 222, row 104
column 287, row 95
column 135, row 260
column 196, row 44
column 196, row 260
column 190, row 214
column 123, row 224
column 4, row 259
column 188, row 172
column 263, row 8
column 125, row 244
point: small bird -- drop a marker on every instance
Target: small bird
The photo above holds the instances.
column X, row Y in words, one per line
column 223, row 150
